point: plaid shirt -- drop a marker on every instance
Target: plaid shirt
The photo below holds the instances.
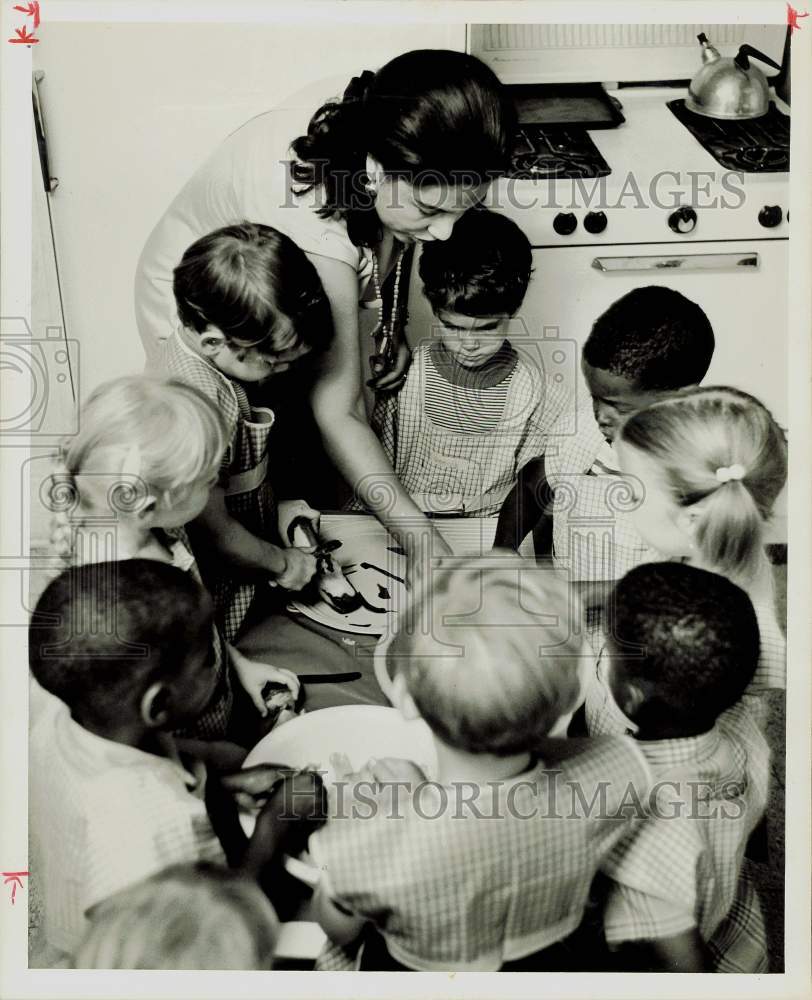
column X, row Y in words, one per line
column 593, row 538
column 103, row 816
column 672, row 874
column 488, row 433
column 604, row 718
column 452, row 889
column 249, row 496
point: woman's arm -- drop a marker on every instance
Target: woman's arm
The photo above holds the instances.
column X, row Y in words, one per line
column 338, row 924
column 338, row 405
column 291, row 568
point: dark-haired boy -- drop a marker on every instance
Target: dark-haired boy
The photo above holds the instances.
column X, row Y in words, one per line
column 651, row 342
column 684, row 646
column 126, row 650
column 472, row 410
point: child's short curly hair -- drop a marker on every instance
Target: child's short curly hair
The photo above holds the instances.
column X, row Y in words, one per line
column 655, row 337
column 482, row 269
column 690, row 641
column 488, row 653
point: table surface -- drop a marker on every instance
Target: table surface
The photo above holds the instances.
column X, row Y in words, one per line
column 303, row 646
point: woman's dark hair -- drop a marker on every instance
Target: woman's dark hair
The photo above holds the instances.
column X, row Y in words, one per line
column 430, row 116
column 482, row 269
column 243, row 279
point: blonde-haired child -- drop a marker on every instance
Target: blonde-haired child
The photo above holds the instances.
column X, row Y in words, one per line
column 192, row 916
column 706, row 467
column 141, row 467
column 495, row 857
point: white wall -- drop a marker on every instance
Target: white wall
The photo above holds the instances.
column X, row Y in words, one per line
column 132, row 109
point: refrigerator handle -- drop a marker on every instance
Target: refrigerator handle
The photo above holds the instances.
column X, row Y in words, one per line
column 49, row 183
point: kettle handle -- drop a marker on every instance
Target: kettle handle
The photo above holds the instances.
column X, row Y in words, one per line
column 742, row 58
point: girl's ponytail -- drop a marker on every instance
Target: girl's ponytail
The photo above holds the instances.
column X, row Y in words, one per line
column 721, row 453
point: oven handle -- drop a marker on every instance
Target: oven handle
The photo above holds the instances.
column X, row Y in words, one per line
column 689, row 262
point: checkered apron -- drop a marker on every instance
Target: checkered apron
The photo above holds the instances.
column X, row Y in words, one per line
column 213, row 723
column 472, row 461
column 672, row 874
column 244, row 471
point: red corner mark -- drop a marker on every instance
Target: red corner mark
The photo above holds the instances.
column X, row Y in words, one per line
column 16, row 879
column 792, row 18
column 30, row 10
column 23, row 38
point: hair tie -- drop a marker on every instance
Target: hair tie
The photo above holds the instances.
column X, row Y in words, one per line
column 728, row 473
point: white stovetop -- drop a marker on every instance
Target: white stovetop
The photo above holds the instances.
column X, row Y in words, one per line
column 651, row 141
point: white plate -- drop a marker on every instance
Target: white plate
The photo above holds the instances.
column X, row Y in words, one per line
column 373, row 563
column 358, row 731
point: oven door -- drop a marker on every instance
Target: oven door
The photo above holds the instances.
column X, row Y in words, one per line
column 742, row 286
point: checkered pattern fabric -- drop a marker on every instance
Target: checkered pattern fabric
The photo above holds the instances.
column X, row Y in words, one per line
column 103, row 816
column 604, row 718
column 213, row 723
column 487, row 434
column 455, row 886
column 680, row 867
column 249, row 429
column 593, row 538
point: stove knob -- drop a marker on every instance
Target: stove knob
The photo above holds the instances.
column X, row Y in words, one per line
column 595, row 222
column 683, row 220
column 770, row 216
column 565, row 223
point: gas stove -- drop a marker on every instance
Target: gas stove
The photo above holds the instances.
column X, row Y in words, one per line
column 650, row 180
column 542, row 153
column 755, row 145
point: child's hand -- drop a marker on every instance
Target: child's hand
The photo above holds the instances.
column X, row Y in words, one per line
column 288, row 511
column 255, row 675
column 300, row 568
column 393, row 379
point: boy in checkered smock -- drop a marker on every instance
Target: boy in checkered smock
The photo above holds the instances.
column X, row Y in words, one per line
column 474, row 407
column 250, row 305
column 489, row 865
column 646, row 345
column 684, row 647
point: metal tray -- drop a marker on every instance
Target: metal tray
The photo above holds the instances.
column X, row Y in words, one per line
column 553, row 105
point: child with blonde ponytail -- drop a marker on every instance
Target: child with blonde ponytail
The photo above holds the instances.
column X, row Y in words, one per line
column 706, row 467
column 141, row 467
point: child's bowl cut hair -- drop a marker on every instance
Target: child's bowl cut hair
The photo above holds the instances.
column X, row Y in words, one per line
column 698, row 638
column 482, row 269
column 103, row 632
column 178, row 434
column 655, row 337
column 257, row 287
column 185, row 917
column 698, row 431
column 487, row 653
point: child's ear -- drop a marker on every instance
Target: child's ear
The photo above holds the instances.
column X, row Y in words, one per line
column 155, row 705
column 687, row 519
column 402, row 700
column 212, row 341
column 631, row 698
column 146, row 512
column 374, row 172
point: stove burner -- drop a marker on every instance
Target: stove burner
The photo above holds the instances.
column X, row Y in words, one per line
column 752, row 145
column 555, row 153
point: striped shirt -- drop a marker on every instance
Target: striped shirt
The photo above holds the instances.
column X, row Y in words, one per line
column 681, row 867
column 458, row 438
column 455, row 887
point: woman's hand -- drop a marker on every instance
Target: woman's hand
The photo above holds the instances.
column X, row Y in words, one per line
column 299, row 569
column 393, row 379
column 288, row 511
column 254, row 676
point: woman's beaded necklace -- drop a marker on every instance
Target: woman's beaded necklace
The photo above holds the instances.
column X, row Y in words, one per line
column 383, row 335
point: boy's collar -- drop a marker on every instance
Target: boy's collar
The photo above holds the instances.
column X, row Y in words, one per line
column 495, row 370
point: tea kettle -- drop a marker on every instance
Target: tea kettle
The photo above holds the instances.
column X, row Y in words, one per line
column 729, row 87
